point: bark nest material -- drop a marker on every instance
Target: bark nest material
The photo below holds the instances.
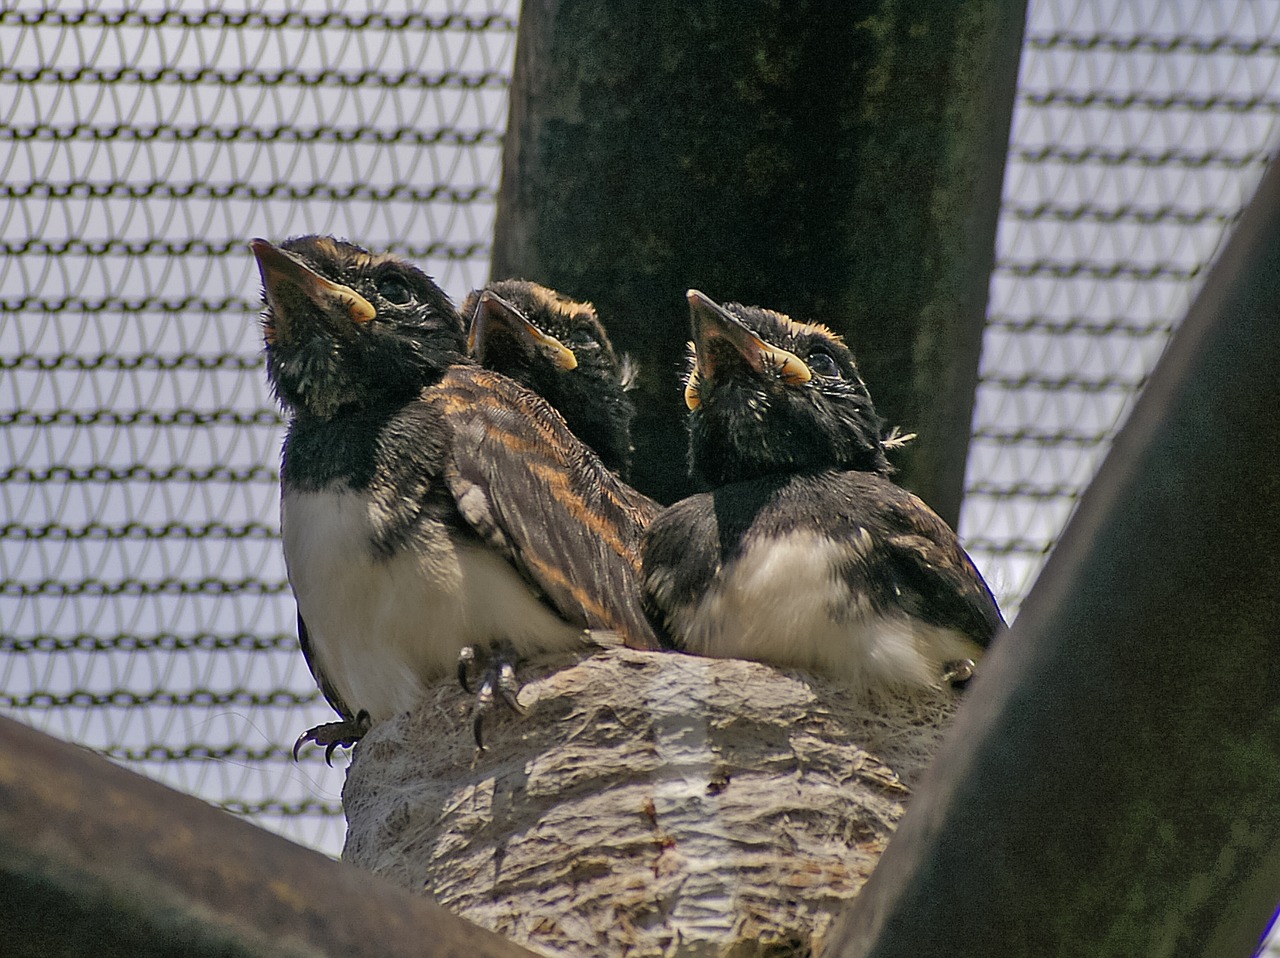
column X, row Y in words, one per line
column 646, row 804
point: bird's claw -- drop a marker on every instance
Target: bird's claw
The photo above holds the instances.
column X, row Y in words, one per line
column 509, row 687
column 466, row 658
column 499, row 681
column 958, row 672
column 334, row 735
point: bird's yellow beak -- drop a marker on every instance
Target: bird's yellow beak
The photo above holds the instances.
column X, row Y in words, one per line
column 712, row 326
column 494, row 316
column 286, row 281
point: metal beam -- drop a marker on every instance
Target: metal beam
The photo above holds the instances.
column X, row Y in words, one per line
column 839, row 162
column 97, row 860
column 1112, row 785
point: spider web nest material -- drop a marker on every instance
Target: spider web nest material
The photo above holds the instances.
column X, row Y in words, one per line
column 647, row 804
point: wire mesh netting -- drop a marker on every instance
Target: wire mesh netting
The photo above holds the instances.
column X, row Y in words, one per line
column 143, row 604
column 143, row 599
column 1140, row 131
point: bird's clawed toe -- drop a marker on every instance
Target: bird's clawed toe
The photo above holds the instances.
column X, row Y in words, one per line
column 509, row 687
column 466, row 659
column 958, row 672
column 498, row 682
column 334, row 735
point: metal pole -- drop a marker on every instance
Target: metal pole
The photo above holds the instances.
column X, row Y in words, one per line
column 839, row 162
column 1112, row 786
column 96, row 860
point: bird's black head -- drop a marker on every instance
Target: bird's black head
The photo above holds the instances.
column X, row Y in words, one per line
column 768, row 395
column 558, row 348
column 346, row 328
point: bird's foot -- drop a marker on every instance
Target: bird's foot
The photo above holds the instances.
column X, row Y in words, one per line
column 958, row 672
column 333, row 735
column 498, row 681
column 466, row 659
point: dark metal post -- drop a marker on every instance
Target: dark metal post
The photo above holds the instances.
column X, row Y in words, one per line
column 1112, row 786
column 840, row 162
column 95, row 860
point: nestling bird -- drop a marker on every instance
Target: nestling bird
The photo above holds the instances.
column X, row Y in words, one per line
column 805, row 554
column 558, row 348
column 427, row 505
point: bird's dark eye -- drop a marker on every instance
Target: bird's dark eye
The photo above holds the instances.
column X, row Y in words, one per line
column 395, row 290
column 823, row 365
column 580, row 339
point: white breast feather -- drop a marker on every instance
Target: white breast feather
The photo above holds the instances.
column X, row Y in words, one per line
column 774, row 604
column 381, row 628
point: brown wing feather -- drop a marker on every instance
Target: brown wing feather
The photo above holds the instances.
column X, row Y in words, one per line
column 526, row 484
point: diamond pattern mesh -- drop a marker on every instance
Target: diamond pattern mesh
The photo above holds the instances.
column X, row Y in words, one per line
column 1139, row 133
column 143, row 601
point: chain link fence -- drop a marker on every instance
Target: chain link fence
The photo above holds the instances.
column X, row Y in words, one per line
column 144, row 610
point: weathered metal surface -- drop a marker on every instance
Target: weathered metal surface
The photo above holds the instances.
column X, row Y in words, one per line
column 839, row 162
column 1112, row 785
column 96, row 860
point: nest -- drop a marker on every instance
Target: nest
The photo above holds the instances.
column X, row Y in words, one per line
column 646, row 804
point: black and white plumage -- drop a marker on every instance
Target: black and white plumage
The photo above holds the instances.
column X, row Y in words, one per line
column 427, row 505
column 804, row 553
column 557, row 347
